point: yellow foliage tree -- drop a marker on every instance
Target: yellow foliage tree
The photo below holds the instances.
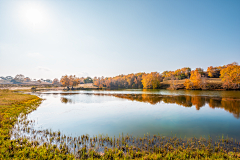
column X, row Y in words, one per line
column 71, row 80
column 210, row 71
column 214, row 72
column 231, row 76
column 196, row 79
column 151, row 80
column 188, row 84
column 65, row 81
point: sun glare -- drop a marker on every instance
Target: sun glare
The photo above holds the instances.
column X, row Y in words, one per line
column 34, row 16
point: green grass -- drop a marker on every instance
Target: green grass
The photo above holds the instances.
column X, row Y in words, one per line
column 13, row 105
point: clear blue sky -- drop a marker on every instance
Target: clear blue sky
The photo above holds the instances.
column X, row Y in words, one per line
column 47, row 39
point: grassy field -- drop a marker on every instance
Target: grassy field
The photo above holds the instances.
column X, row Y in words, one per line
column 14, row 105
column 212, row 84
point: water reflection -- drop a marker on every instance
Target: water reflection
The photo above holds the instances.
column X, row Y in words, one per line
column 230, row 105
column 66, row 100
column 139, row 112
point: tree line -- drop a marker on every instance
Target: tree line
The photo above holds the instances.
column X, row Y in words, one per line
column 194, row 79
column 72, row 80
column 20, row 78
column 229, row 74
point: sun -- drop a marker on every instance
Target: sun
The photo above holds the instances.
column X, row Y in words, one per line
column 33, row 15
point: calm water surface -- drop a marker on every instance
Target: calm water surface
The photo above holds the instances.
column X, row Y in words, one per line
column 138, row 112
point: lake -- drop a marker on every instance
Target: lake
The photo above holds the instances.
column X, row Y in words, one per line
column 137, row 112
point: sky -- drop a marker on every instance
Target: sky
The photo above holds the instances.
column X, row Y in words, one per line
column 49, row 39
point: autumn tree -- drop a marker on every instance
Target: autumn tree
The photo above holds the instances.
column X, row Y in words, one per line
column 213, row 72
column 96, row 81
column 231, row 76
column 167, row 75
column 146, row 81
column 164, row 74
column 138, row 81
column 71, row 80
column 200, row 71
column 182, row 73
column 186, row 71
column 196, row 79
column 151, row 80
column 76, row 81
column 188, row 84
column 120, row 81
column 178, row 74
column 65, row 81
column 55, row 82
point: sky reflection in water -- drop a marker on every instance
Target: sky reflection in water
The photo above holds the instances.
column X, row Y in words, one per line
column 140, row 112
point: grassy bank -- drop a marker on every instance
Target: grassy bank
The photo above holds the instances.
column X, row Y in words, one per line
column 13, row 105
column 53, row 145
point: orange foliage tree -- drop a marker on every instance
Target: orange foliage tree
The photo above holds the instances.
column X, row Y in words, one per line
column 65, row 81
column 213, row 72
column 188, row 84
column 74, row 80
column 230, row 76
column 195, row 81
column 71, row 80
column 121, row 81
column 151, row 80
column 177, row 74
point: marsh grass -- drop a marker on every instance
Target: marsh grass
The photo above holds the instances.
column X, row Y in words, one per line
column 19, row 140
column 15, row 106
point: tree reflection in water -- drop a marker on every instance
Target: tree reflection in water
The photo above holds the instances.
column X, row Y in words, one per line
column 228, row 104
column 66, row 100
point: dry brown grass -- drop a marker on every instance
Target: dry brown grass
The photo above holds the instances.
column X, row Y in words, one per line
column 8, row 97
column 87, row 85
column 214, row 80
column 209, row 80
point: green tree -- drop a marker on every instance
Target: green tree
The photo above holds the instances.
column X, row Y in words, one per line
column 88, row 80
